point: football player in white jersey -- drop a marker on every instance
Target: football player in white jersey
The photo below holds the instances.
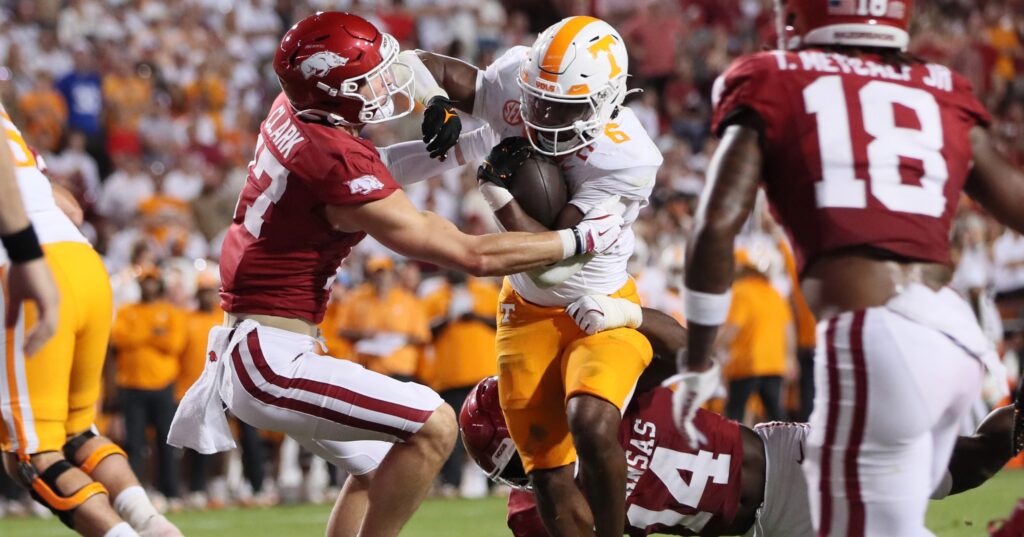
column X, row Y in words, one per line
column 561, row 389
column 49, row 387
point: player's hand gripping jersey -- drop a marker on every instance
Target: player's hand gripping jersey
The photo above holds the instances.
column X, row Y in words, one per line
column 622, row 162
column 280, row 254
column 857, row 152
column 659, row 498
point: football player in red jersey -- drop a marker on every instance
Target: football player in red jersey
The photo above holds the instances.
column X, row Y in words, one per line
column 314, row 190
column 741, row 481
column 863, row 152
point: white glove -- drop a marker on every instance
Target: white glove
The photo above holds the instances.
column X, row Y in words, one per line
column 460, row 304
column 690, row 391
column 597, row 232
column 597, row 313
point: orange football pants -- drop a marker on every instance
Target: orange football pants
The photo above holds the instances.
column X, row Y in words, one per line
column 51, row 395
column 544, row 359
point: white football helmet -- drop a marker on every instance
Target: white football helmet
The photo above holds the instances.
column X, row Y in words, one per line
column 573, row 80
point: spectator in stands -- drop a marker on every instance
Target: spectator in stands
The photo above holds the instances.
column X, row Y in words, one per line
column 124, row 190
column 83, row 94
column 759, row 339
column 148, row 338
column 44, row 114
column 655, row 33
column 386, row 323
column 462, row 322
column 76, row 170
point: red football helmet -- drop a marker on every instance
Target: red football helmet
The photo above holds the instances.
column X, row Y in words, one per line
column 340, row 68
column 860, row 23
column 486, row 437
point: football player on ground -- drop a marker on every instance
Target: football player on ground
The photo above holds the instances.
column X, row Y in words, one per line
column 562, row 391
column 315, row 189
column 864, row 152
column 49, row 391
column 740, row 481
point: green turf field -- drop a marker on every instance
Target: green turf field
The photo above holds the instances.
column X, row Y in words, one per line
column 961, row 516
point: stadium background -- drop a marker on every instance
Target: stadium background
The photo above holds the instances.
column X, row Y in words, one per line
column 147, row 112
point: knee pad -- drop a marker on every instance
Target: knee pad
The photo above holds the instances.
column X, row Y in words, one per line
column 93, row 459
column 43, row 488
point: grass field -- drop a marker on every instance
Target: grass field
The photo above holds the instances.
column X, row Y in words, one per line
column 965, row 515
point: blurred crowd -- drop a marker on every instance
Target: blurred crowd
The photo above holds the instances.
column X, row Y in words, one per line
column 147, row 111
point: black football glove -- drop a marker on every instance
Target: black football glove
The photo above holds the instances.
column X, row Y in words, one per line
column 503, row 161
column 441, row 126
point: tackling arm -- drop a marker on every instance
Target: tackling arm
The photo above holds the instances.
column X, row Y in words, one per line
column 397, row 224
column 514, row 218
column 994, row 182
column 728, row 199
column 455, row 76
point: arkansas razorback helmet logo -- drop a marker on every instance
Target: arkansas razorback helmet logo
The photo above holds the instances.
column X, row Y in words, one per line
column 321, row 63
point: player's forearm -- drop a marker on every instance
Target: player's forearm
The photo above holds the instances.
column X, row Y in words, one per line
column 514, row 218
column 12, row 210
column 666, row 335
column 727, row 201
column 410, row 163
column 712, row 261
column 455, row 76
column 501, row 254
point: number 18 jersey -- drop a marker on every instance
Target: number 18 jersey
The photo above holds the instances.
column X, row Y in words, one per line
column 857, row 151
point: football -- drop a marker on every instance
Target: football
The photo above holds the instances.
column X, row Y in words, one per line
column 540, row 189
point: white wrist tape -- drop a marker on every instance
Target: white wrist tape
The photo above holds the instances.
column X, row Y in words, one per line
column 495, row 196
column 634, row 314
column 706, row 308
column 425, row 87
column 568, row 237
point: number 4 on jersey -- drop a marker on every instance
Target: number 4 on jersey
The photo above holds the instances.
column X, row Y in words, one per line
column 840, row 187
column 668, row 465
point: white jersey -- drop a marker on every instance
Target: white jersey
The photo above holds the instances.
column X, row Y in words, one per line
column 623, row 162
column 50, row 223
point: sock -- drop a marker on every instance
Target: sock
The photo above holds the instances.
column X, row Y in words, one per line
column 121, row 530
column 134, row 506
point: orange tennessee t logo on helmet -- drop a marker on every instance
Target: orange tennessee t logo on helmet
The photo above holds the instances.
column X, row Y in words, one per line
column 605, row 45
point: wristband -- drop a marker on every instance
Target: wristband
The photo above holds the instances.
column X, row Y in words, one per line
column 22, row 246
column 495, row 196
column 569, row 242
column 707, row 309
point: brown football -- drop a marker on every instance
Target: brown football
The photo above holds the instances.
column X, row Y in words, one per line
column 540, row 189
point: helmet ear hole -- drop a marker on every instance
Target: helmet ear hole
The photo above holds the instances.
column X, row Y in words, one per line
column 514, row 473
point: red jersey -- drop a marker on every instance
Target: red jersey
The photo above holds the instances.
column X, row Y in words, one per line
column 856, row 152
column 670, row 488
column 280, row 253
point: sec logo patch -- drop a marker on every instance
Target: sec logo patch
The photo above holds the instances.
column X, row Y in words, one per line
column 510, row 112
